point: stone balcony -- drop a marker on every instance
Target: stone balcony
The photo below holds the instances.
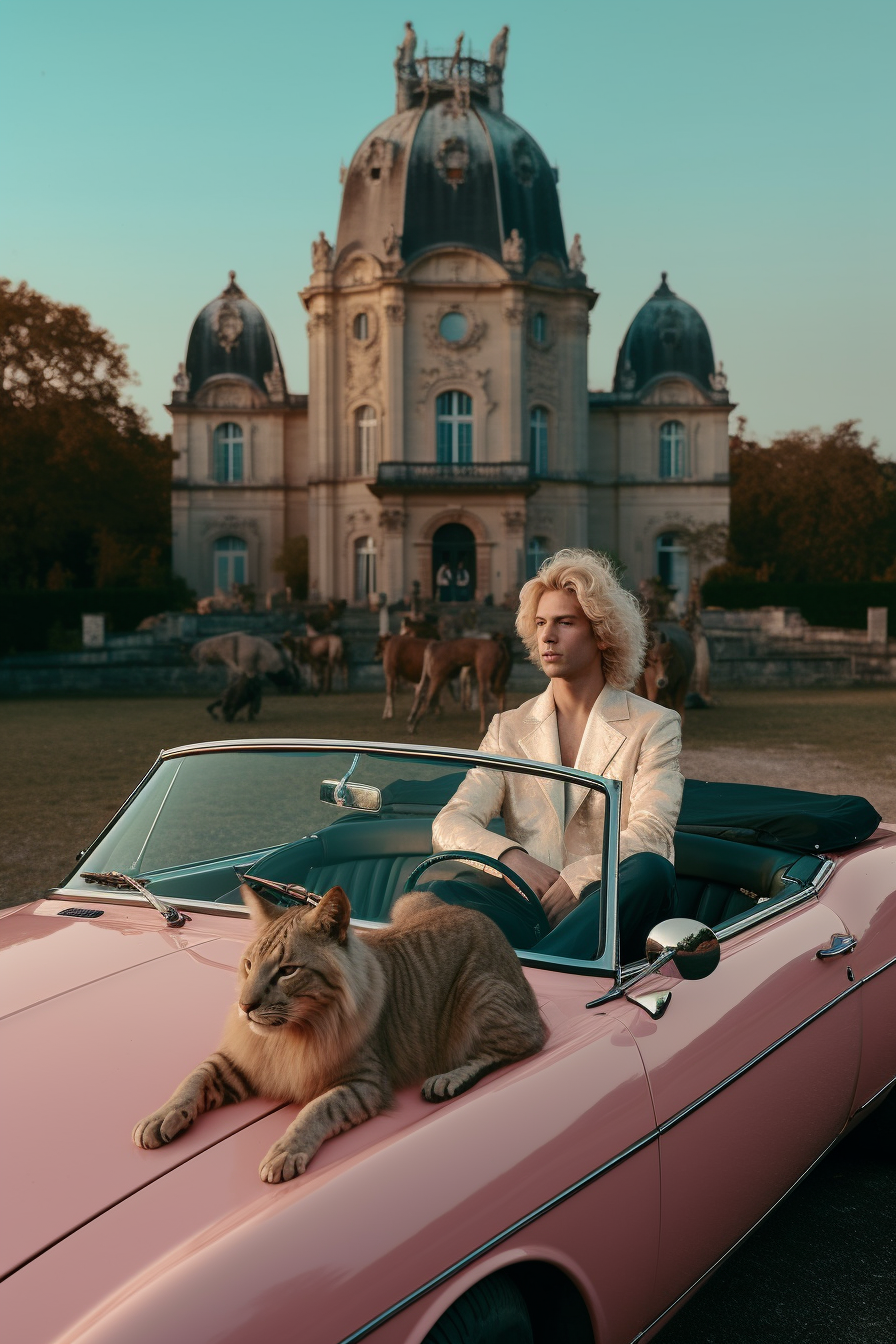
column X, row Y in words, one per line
column 404, row 477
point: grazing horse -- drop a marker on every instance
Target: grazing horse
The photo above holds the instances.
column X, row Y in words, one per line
column 250, row 655
column 322, row 655
column 490, row 659
column 668, row 667
column 402, row 659
column 244, row 693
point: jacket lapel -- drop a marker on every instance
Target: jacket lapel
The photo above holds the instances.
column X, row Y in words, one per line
column 600, row 740
column 541, row 743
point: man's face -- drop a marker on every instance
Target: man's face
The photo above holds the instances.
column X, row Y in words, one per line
column 566, row 643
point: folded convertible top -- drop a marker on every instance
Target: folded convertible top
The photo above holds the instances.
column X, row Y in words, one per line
column 752, row 814
column 755, row 814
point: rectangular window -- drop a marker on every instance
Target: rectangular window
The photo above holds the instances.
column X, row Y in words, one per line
column 443, row 443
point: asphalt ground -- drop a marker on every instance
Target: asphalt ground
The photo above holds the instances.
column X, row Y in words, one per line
column 822, row 1268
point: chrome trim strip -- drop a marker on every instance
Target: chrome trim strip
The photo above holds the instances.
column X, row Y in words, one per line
column 676, row 1119
column 871, row 1100
column 496, row 1240
column 768, row 909
column 880, row 970
column 109, row 898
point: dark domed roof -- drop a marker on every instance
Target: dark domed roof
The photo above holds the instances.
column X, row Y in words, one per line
column 668, row 336
column 231, row 337
column 451, row 169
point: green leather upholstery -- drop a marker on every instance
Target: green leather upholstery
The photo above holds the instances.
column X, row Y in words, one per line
column 372, row 858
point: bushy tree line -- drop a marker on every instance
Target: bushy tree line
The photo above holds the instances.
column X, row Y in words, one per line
column 811, row 508
column 85, row 486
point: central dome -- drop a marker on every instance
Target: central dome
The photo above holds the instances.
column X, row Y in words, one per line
column 451, row 170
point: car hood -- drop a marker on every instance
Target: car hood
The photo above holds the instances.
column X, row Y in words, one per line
column 100, row 1018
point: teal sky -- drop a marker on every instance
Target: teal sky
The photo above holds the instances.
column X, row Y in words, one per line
column 747, row 148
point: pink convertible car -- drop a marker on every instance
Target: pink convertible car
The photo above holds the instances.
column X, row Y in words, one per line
column 578, row 1197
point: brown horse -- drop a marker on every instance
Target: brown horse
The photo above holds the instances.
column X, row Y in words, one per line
column 668, row 666
column 490, row 660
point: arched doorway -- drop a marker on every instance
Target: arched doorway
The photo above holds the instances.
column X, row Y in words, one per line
column 454, row 563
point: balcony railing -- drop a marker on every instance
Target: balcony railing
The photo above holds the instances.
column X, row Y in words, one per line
column 454, row 476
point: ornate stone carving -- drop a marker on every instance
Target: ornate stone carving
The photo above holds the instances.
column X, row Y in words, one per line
column 514, row 520
column 513, row 250
column 362, row 370
column 395, row 314
column 392, row 250
column 453, row 160
column 231, row 523
column 515, row 315
column 321, row 253
column 181, row 384
column 407, row 50
column 497, row 52
column 273, row 381
column 718, row 381
column 482, row 377
column 576, row 255
column 228, row 325
column 393, row 521
column 472, row 337
column 319, row 322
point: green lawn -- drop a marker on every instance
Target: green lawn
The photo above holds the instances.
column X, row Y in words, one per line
column 69, row 763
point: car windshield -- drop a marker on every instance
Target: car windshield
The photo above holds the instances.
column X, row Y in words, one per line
column 372, row 821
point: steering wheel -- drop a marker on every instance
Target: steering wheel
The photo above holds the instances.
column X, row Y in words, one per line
column 513, row 879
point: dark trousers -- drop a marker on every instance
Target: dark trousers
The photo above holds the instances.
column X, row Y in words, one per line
column 646, row 896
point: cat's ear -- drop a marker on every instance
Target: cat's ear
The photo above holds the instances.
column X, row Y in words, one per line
column 262, row 911
column 333, row 914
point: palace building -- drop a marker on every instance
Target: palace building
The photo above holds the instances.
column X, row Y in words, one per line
column 448, row 429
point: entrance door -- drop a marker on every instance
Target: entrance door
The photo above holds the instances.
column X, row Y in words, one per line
column 454, row 564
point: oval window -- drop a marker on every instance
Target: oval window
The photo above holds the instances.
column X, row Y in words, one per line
column 453, row 327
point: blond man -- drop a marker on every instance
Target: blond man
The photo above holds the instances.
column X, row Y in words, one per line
column 586, row 632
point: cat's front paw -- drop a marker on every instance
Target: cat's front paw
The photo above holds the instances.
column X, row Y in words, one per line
column 283, row 1162
column 442, row 1087
column 161, row 1127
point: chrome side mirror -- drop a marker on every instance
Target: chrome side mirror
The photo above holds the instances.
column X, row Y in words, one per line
column 691, row 947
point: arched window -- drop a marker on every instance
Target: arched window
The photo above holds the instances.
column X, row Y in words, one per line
column 454, row 427
column 231, row 563
column 672, row 565
column 228, row 456
column 538, row 441
column 365, row 441
column 537, row 552
column 360, row 327
column 539, row 327
column 365, row 568
column 673, row 450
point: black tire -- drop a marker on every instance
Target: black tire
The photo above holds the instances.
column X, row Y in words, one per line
column 491, row 1312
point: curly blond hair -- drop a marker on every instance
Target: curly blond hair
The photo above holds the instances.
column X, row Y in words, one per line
column 615, row 614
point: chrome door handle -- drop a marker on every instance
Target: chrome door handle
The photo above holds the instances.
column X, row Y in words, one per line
column 840, row 943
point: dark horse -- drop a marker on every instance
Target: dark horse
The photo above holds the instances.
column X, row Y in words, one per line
column 668, row 667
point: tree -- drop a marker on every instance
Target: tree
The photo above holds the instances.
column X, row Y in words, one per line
column 84, row 484
column 811, row 507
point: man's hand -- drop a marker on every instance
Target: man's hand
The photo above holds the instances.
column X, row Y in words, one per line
column 539, row 876
column 557, row 902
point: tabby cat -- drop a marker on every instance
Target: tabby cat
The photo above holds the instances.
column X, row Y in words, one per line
column 336, row 1020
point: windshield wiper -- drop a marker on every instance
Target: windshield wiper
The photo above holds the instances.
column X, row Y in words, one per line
column 175, row 919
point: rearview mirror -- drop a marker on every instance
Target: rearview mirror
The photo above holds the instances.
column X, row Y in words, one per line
column 689, row 945
column 339, row 793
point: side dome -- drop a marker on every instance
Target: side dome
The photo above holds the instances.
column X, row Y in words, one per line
column 449, row 168
column 667, row 337
column 231, row 339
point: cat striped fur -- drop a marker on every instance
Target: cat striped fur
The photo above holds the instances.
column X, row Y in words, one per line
column 336, row 1019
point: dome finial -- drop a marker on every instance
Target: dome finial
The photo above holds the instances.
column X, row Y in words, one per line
column 233, row 290
column 663, row 290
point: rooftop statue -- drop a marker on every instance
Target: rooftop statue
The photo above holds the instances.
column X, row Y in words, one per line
column 408, row 48
column 514, row 249
column 576, row 255
column 321, row 253
column 497, row 52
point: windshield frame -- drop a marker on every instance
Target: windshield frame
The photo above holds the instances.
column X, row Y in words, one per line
column 607, row 963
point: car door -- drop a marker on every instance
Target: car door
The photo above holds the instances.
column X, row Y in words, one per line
column 752, row 1073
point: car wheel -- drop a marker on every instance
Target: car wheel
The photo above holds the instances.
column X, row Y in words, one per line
column 491, row 1312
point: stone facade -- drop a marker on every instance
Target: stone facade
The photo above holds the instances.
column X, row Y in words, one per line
column 448, row 426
